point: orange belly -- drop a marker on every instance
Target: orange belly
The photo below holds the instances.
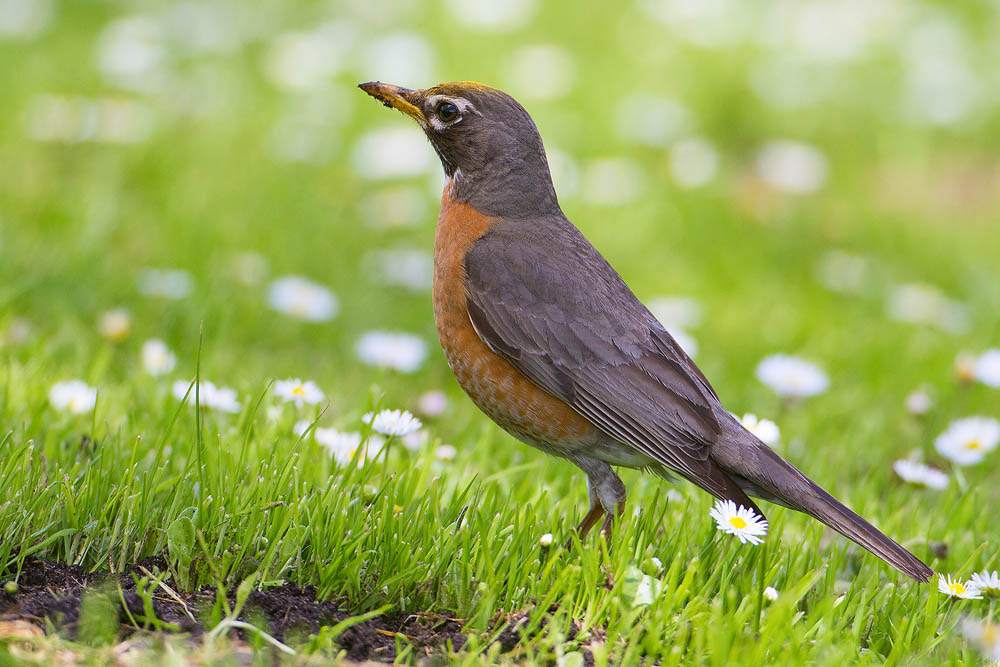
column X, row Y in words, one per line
column 495, row 386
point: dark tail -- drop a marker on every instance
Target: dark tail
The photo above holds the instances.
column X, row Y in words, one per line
column 761, row 472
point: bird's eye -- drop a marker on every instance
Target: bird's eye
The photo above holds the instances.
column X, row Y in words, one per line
column 447, row 112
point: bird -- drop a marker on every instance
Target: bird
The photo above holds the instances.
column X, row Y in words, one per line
column 547, row 339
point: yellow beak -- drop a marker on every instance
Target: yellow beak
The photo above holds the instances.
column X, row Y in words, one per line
column 395, row 97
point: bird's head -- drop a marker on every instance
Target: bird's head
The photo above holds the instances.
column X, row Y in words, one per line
column 486, row 141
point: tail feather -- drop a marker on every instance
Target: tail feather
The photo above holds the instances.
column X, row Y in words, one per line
column 763, row 473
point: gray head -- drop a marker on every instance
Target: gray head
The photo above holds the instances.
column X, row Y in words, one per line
column 488, row 145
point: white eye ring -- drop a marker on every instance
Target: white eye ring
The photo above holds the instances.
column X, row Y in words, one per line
column 434, row 103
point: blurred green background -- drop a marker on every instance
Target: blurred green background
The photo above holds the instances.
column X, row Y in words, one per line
column 812, row 178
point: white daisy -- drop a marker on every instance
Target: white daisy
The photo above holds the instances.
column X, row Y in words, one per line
column 791, row 166
column 919, row 303
column 388, row 349
column 985, row 635
column 73, row 396
column 651, row 120
column 680, row 312
column 919, row 402
column 987, row 368
column 792, row 377
column 546, row 540
column 165, row 283
column 955, row 588
column 157, row 358
column 25, row 19
column 404, row 267
column 299, row 392
column 432, row 403
column 398, row 151
column 920, row 474
column 765, row 429
column 770, row 593
column 693, row 162
column 966, row 441
column 392, row 422
column 341, row 446
column 115, row 325
column 446, row 452
column 742, row 522
column 414, row 440
column 492, row 15
column 222, row 399
column 302, row 298
column 987, row 582
column 611, row 181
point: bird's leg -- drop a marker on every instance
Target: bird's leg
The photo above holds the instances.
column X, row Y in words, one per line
column 609, row 520
column 606, row 492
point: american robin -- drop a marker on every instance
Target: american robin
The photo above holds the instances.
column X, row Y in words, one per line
column 548, row 340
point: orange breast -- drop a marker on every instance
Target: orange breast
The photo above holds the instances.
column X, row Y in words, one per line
column 507, row 397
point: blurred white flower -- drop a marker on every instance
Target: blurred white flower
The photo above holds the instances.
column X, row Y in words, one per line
column 839, row 271
column 302, row 298
column 791, row 166
column 249, row 268
column 157, row 358
column 400, row 351
column 393, row 152
column 919, row 402
column 131, row 51
column 742, row 522
column 299, row 392
column 966, row 441
column 305, row 60
column 987, row 582
column 115, row 325
column 985, row 635
column 791, row 376
column 17, row 331
column 75, row 119
column 787, row 81
column 680, row 312
column 565, row 172
column 401, row 56
column 205, row 27
column 546, row 540
column 222, row 399
column 987, row 368
column 304, row 139
column 432, row 403
column 651, row 120
column 392, row 422
column 965, row 367
column 685, row 340
column 693, row 162
column 24, row 19
column 707, row 23
column 920, row 474
column 343, row 447
column 765, row 429
column 166, row 283
column 407, row 267
column 397, row 206
column 955, row 588
column 941, row 88
column 491, row 15
column 770, row 594
column 445, row 452
column 540, row 72
column 925, row 304
column 611, row 181
column 73, row 396
column 414, row 440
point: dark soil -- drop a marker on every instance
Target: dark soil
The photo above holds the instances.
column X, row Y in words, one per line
column 50, row 594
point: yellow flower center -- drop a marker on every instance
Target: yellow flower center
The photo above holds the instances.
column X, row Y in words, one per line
column 299, row 390
column 738, row 522
column 957, row 589
column 973, row 444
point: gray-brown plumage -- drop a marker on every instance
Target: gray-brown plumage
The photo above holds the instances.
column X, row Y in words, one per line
column 549, row 341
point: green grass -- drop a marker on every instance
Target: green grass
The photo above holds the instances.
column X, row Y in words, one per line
column 461, row 537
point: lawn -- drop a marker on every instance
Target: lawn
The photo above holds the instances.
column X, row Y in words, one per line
column 816, row 180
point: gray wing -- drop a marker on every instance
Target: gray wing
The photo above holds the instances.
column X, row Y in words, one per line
column 550, row 304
